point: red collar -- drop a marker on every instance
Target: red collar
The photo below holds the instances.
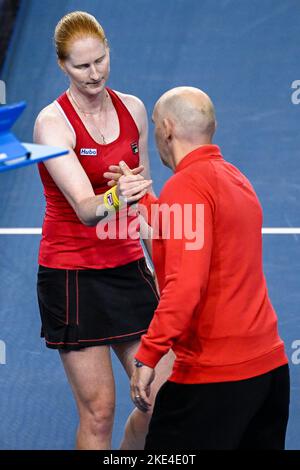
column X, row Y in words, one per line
column 205, row 152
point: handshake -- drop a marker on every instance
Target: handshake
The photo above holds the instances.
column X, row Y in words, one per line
column 129, row 186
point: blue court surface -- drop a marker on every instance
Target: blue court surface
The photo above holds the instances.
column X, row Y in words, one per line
column 245, row 55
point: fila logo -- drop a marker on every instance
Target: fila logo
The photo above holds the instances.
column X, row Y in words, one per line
column 134, row 148
column 88, row 152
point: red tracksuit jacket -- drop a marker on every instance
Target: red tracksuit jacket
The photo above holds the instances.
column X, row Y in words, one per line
column 214, row 310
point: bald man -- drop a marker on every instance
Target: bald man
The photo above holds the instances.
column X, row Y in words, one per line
column 229, row 388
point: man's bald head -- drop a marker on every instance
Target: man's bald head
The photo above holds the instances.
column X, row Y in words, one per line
column 191, row 113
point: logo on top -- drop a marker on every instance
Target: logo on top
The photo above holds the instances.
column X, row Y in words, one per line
column 134, row 148
column 89, row 152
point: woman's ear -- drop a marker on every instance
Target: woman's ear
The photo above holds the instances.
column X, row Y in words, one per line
column 61, row 64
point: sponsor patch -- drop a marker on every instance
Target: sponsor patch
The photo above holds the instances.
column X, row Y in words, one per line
column 90, row 152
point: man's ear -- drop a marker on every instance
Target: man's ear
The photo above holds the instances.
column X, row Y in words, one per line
column 168, row 128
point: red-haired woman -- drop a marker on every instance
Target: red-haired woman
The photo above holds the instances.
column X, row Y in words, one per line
column 93, row 293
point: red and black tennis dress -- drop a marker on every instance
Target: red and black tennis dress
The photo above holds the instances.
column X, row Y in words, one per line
column 91, row 290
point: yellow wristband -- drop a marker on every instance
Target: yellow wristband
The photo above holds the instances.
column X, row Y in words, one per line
column 117, row 202
column 111, row 200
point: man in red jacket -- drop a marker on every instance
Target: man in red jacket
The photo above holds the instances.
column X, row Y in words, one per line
column 229, row 388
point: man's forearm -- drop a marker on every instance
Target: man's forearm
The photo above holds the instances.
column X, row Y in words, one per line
column 148, row 206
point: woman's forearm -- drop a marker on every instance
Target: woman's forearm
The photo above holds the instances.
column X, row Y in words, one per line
column 91, row 210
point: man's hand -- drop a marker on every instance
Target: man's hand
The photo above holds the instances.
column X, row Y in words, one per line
column 141, row 380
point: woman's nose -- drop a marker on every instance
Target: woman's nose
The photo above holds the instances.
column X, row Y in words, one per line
column 94, row 73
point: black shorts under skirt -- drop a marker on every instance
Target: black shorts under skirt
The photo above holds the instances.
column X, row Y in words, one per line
column 92, row 307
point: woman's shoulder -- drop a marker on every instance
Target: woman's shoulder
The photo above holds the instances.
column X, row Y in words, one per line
column 51, row 122
column 49, row 114
column 131, row 99
column 134, row 105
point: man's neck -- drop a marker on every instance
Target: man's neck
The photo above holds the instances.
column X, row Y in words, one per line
column 181, row 149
